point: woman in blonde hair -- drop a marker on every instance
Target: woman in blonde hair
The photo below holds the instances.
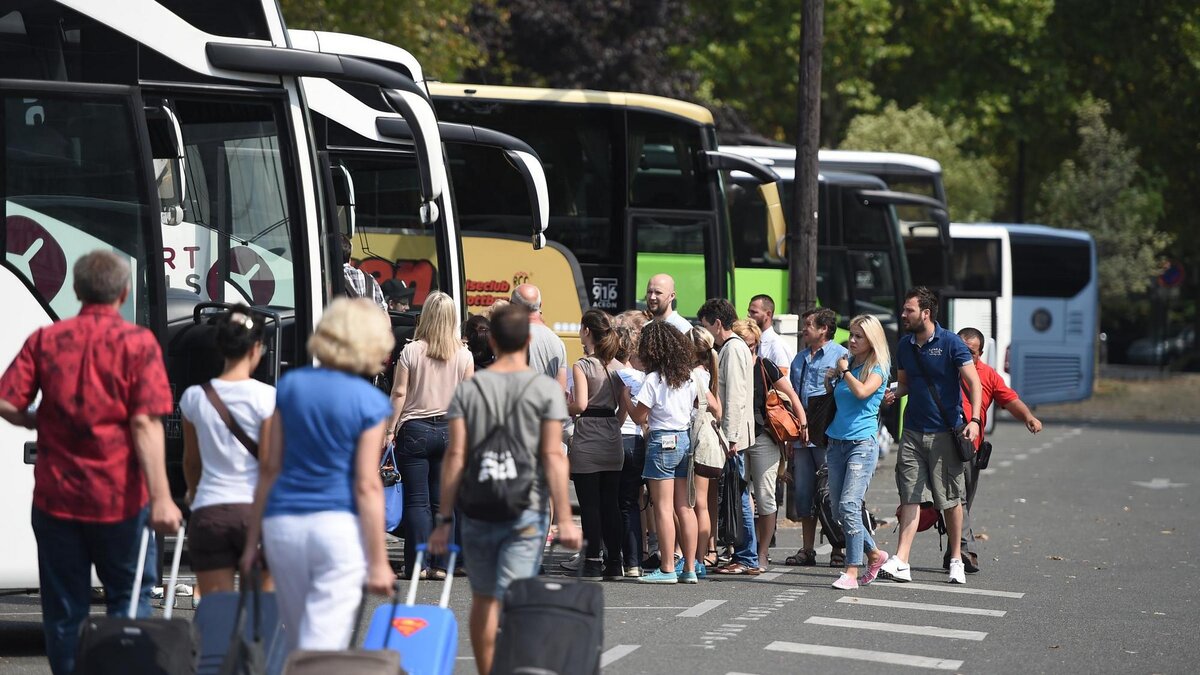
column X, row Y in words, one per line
column 858, row 387
column 764, row 457
column 705, row 372
column 318, row 506
column 427, row 372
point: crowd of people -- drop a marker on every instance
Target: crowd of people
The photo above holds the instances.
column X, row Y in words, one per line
column 488, row 423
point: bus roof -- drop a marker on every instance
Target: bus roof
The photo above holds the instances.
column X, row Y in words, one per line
column 1038, row 230
column 660, row 104
column 868, row 160
column 787, row 172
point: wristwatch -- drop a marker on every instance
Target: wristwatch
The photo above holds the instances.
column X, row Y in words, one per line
column 843, row 373
column 976, row 420
column 441, row 519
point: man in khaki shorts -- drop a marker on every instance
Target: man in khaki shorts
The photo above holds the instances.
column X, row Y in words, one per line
column 928, row 458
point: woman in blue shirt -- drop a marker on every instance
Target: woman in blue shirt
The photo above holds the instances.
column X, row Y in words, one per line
column 858, row 387
column 318, row 507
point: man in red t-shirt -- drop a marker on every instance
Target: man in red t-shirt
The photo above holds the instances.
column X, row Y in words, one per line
column 100, row 475
column 994, row 389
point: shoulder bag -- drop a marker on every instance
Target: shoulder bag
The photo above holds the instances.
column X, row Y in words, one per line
column 234, row 427
column 964, row 448
column 779, row 420
column 708, row 441
column 984, row 456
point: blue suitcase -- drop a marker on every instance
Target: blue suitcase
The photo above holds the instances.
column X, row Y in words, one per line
column 425, row 636
column 252, row 613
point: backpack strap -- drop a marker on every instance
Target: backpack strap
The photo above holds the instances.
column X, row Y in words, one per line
column 234, row 427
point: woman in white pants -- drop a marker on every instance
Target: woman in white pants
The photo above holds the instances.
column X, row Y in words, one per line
column 318, row 508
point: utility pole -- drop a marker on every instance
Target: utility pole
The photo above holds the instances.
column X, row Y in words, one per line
column 802, row 234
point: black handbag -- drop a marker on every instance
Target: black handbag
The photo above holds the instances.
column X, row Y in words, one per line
column 964, row 448
column 984, row 455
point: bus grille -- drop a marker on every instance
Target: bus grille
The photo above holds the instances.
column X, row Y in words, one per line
column 1075, row 323
column 1048, row 376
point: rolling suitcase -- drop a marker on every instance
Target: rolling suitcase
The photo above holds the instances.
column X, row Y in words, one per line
column 132, row 646
column 260, row 643
column 425, row 636
column 351, row 661
column 570, row 610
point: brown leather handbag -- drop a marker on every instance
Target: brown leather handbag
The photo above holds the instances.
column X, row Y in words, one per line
column 781, row 423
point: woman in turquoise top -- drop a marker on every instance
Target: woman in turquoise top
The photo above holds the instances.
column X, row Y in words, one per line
column 858, row 386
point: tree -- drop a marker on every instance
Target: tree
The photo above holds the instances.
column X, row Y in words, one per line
column 1105, row 192
column 973, row 187
column 434, row 31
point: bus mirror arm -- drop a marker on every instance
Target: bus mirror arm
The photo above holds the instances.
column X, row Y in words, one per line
column 714, row 160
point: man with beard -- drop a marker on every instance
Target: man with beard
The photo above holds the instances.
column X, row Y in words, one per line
column 660, row 300
column 931, row 361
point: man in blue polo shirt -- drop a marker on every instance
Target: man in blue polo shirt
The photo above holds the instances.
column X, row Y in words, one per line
column 927, row 454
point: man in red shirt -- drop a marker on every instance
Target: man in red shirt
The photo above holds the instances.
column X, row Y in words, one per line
column 101, row 454
column 994, row 389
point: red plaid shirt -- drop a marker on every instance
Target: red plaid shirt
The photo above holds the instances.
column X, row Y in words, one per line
column 95, row 372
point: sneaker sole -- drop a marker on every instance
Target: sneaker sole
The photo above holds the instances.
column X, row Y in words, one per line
column 645, row 580
column 888, row 575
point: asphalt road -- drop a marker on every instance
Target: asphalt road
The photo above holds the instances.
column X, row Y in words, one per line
column 1089, row 566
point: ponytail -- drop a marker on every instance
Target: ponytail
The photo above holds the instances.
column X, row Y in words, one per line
column 605, row 338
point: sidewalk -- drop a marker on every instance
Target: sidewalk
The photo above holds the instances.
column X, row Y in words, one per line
column 1162, row 399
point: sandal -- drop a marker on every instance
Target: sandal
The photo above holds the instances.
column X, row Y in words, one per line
column 710, row 559
column 803, row 558
column 739, row 568
column 837, row 558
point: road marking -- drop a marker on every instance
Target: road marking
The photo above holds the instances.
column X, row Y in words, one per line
column 618, row 652
column 948, row 609
column 928, row 631
column 866, row 655
column 952, row 588
column 1005, row 463
column 1159, row 484
column 1021, row 456
column 700, row 609
column 773, row 574
column 654, row 607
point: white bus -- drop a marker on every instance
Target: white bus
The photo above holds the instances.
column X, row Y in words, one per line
column 175, row 134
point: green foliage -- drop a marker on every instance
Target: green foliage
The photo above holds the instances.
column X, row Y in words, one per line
column 434, row 31
column 972, row 184
column 1104, row 191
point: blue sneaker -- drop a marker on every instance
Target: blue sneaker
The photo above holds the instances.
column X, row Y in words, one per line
column 678, row 564
column 686, row 577
column 659, row 577
column 701, row 571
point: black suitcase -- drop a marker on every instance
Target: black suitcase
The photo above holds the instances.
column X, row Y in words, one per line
column 132, row 646
column 571, row 610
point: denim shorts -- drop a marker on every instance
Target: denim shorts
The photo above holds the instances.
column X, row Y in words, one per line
column 499, row 553
column 663, row 463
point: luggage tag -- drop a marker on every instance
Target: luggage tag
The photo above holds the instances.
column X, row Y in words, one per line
column 669, row 441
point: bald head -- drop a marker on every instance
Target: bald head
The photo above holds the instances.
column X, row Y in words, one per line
column 660, row 293
column 528, row 296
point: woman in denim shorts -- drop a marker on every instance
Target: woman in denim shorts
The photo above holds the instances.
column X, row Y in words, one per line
column 852, row 452
column 665, row 404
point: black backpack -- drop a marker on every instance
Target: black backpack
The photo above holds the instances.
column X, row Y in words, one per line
column 831, row 526
column 498, row 481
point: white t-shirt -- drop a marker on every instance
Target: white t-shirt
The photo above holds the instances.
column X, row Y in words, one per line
column 773, row 348
column 633, row 378
column 230, row 473
column 676, row 319
column 670, row 409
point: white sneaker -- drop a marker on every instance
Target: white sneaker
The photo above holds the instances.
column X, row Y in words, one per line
column 958, row 573
column 572, row 564
column 897, row 570
column 633, row 572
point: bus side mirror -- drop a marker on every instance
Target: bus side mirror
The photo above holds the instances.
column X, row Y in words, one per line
column 775, row 223
column 343, row 195
column 166, row 146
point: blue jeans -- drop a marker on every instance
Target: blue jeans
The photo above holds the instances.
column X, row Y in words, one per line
column 500, row 553
column 630, row 499
column 66, row 551
column 851, row 465
column 419, row 454
column 747, row 554
column 805, row 463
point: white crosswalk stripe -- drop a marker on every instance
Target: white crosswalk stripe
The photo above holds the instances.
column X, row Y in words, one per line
column 924, row 606
column 951, row 588
column 930, row 631
column 890, row 658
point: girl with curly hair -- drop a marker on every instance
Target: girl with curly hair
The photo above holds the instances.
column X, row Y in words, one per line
column 665, row 405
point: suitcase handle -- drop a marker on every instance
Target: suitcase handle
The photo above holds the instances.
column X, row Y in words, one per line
column 418, row 563
column 135, row 594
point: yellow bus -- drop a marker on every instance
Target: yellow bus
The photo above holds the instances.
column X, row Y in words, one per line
column 636, row 187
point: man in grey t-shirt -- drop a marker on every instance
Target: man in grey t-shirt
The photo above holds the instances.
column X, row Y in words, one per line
column 547, row 353
column 497, row 553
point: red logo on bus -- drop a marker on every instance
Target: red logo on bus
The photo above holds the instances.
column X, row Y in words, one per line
column 36, row 254
column 248, row 272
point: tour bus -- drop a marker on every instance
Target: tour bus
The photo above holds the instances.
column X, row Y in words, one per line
column 921, row 177
column 1034, row 293
column 636, row 189
column 375, row 172
column 175, row 135
column 862, row 266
